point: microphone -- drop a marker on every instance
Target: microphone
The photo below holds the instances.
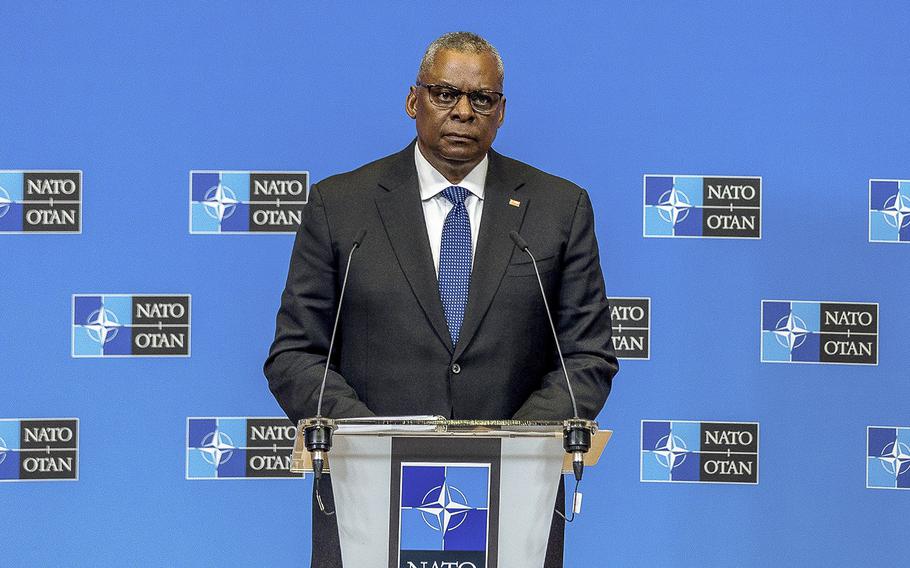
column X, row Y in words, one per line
column 576, row 431
column 357, row 240
column 317, row 432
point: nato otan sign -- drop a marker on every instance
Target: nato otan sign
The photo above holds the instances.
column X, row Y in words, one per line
column 688, row 451
column 889, row 211
column 40, row 201
column 797, row 331
column 888, row 457
column 239, row 447
column 245, row 202
column 696, row 206
column 631, row 319
column 131, row 325
column 39, row 449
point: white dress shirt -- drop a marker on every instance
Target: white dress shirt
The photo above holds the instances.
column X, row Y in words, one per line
column 436, row 206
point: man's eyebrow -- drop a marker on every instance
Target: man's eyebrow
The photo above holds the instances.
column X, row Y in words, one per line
column 451, row 86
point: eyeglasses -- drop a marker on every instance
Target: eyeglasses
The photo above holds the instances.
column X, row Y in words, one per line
column 446, row 97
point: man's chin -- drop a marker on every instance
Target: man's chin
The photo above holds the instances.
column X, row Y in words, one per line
column 461, row 152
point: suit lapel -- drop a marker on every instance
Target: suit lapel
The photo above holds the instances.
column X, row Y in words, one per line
column 494, row 246
column 402, row 216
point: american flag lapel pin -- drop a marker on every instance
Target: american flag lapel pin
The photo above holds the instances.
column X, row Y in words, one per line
column 514, row 203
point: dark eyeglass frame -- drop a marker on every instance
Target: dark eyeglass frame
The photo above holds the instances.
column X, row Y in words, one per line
column 459, row 93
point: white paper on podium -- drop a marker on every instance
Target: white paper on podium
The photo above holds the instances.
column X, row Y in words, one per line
column 361, row 476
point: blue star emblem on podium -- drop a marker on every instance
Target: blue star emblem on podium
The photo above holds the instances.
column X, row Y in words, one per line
column 444, row 507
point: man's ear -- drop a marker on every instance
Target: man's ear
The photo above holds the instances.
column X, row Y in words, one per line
column 410, row 103
column 502, row 112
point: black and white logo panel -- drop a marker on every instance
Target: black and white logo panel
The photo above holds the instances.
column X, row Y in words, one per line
column 631, row 327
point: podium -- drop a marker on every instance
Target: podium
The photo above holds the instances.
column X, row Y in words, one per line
column 428, row 492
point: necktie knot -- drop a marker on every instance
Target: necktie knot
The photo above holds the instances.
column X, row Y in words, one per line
column 455, row 194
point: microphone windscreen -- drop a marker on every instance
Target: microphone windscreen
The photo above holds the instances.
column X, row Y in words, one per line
column 359, row 238
column 519, row 242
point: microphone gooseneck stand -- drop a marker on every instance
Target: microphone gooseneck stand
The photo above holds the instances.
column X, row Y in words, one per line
column 577, row 432
column 317, row 433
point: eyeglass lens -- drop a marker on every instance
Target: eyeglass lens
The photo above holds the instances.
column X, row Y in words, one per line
column 446, row 97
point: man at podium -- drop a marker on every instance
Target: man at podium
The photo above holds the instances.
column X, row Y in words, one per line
column 442, row 313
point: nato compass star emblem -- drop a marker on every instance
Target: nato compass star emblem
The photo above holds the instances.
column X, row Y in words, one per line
column 444, row 508
column 102, row 325
column 895, row 458
column 671, row 451
column 3, row 450
column 220, row 201
column 673, row 206
column 897, row 211
column 217, row 448
column 791, row 331
column 5, row 202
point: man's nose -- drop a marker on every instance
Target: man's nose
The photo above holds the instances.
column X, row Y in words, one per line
column 463, row 109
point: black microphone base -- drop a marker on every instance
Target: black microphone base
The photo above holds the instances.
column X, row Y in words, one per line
column 317, row 438
column 576, row 439
column 577, row 435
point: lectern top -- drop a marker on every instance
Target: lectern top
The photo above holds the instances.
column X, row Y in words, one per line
column 438, row 425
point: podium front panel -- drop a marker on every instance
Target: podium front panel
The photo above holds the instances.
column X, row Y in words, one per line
column 471, row 502
column 361, row 481
column 531, row 468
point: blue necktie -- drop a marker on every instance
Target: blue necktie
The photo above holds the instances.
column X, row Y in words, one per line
column 455, row 260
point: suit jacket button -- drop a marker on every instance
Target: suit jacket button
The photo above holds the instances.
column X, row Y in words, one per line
column 456, row 368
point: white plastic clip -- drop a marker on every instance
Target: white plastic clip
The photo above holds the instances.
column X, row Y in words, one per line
column 576, row 505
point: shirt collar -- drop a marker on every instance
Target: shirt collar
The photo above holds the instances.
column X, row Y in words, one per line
column 432, row 182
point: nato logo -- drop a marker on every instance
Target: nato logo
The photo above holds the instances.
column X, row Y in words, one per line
column 889, row 211
column 887, row 457
column 684, row 451
column 39, row 450
column 843, row 333
column 232, row 202
column 631, row 327
column 700, row 206
column 443, row 515
column 128, row 325
column 40, row 201
column 239, row 448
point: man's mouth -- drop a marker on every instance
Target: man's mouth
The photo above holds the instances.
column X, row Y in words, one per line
column 455, row 137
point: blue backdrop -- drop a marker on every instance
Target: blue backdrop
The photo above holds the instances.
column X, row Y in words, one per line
column 136, row 95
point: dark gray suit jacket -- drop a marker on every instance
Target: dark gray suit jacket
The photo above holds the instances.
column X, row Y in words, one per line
column 393, row 355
